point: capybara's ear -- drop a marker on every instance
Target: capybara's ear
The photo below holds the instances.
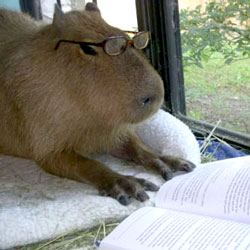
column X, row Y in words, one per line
column 58, row 19
column 92, row 7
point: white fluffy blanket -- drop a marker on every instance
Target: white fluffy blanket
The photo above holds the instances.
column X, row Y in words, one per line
column 35, row 206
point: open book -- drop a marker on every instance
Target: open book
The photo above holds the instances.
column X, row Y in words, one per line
column 208, row 208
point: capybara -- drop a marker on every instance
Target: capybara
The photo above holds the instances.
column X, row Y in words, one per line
column 77, row 88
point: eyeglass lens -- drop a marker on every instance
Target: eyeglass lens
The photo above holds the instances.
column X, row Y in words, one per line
column 117, row 45
column 141, row 40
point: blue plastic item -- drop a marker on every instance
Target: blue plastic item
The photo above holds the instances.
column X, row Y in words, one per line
column 221, row 151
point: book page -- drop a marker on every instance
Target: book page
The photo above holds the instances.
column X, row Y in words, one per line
column 156, row 228
column 218, row 189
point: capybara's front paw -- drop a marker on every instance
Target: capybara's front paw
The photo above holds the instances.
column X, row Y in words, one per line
column 180, row 164
column 166, row 165
column 124, row 188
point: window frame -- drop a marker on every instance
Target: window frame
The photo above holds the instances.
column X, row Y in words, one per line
column 161, row 18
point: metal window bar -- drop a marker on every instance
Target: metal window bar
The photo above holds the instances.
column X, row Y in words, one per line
column 162, row 20
column 32, row 7
column 59, row 3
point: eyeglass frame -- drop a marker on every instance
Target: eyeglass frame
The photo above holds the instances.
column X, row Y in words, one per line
column 102, row 44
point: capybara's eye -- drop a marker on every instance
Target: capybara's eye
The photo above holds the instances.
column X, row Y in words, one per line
column 87, row 49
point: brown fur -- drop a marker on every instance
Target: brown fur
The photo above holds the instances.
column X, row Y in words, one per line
column 56, row 103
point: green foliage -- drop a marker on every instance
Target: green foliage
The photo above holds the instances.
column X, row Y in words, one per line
column 219, row 92
column 222, row 27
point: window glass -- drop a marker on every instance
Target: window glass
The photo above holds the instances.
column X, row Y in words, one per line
column 119, row 13
column 10, row 4
column 216, row 59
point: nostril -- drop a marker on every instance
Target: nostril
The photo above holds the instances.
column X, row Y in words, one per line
column 146, row 100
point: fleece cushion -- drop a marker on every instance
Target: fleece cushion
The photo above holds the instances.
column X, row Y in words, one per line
column 36, row 206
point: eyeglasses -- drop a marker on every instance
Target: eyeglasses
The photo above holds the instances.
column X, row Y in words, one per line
column 116, row 45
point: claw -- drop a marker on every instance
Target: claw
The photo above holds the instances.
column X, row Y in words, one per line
column 187, row 166
column 190, row 167
column 151, row 187
column 167, row 175
column 148, row 185
column 124, row 200
column 142, row 196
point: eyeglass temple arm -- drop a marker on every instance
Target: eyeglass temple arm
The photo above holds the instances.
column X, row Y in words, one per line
column 75, row 42
column 129, row 31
